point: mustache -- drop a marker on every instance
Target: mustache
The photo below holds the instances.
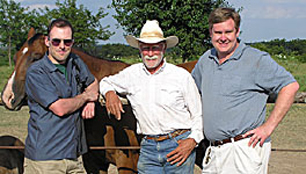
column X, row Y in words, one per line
column 151, row 58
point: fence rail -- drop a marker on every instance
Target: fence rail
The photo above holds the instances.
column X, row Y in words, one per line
column 138, row 147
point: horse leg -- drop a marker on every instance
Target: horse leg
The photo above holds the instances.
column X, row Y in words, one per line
column 109, row 140
column 127, row 164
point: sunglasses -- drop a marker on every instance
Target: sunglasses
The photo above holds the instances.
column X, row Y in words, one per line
column 56, row 42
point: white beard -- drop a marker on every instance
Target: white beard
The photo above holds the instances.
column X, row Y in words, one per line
column 152, row 58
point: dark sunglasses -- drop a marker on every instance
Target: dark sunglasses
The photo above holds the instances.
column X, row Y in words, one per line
column 56, row 42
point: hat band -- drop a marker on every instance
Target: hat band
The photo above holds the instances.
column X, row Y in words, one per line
column 151, row 34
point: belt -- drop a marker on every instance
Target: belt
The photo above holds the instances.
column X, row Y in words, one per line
column 219, row 143
column 170, row 135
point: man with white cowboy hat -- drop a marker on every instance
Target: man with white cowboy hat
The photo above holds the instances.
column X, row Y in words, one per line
column 165, row 102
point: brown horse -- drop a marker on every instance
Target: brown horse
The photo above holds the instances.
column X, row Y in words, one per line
column 11, row 160
column 188, row 65
column 100, row 131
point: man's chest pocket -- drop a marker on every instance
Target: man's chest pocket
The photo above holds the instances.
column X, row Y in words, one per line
column 63, row 90
column 230, row 85
column 171, row 97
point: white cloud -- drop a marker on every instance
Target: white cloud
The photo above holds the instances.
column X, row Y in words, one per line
column 275, row 12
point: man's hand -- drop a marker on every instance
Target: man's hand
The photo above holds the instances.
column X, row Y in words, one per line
column 259, row 134
column 113, row 104
column 182, row 152
column 88, row 111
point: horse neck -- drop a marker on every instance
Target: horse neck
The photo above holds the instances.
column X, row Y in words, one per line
column 100, row 67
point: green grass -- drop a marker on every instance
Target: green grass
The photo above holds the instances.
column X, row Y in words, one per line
column 297, row 69
column 5, row 72
column 290, row 133
column 14, row 122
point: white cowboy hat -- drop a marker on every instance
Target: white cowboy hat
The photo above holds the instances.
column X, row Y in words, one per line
column 151, row 33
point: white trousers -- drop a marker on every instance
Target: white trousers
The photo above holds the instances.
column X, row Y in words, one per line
column 237, row 158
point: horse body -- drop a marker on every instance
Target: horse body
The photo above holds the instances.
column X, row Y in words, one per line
column 102, row 130
column 11, row 160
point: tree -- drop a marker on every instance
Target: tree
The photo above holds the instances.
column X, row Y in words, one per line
column 187, row 19
column 13, row 27
column 88, row 28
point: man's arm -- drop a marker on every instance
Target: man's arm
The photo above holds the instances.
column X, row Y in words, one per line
column 193, row 102
column 110, row 86
column 113, row 104
column 66, row 106
column 282, row 105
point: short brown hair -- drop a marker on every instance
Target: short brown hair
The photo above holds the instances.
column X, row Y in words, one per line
column 223, row 14
column 60, row 23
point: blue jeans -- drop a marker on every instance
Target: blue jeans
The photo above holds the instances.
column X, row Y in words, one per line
column 153, row 160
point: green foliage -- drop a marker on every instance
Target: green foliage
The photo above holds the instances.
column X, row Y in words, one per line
column 13, row 29
column 187, row 19
column 281, row 49
column 5, row 72
column 16, row 21
column 289, row 54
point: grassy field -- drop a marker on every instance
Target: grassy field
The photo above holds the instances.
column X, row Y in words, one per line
column 289, row 135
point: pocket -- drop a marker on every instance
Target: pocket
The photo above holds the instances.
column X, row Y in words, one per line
column 246, row 158
column 143, row 141
column 181, row 137
column 230, row 85
column 171, row 96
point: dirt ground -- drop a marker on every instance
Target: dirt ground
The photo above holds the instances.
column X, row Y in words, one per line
column 280, row 163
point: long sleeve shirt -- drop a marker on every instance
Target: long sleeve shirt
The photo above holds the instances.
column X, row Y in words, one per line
column 162, row 102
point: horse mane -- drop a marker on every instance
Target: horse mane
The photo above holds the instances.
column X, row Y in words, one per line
column 36, row 36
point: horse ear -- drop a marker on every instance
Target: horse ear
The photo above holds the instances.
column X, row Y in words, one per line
column 31, row 33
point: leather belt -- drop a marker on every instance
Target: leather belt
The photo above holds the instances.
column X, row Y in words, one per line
column 165, row 137
column 219, row 143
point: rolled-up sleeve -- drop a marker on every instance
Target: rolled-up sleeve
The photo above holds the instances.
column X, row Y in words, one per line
column 117, row 82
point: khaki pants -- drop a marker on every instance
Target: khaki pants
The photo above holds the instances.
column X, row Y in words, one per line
column 237, row 158
column 65, row 166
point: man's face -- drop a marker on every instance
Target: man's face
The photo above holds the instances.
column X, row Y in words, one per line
column 152, row 54
column 60, row 43
column 224, row 38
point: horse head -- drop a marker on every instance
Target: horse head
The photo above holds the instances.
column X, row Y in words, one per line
column 13, row 94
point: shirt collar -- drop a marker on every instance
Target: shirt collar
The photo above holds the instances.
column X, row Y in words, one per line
column 49, row 65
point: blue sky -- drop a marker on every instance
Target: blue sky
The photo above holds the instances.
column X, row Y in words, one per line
column 262, row 20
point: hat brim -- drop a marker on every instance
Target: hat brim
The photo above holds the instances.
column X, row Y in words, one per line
column 133, row 41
